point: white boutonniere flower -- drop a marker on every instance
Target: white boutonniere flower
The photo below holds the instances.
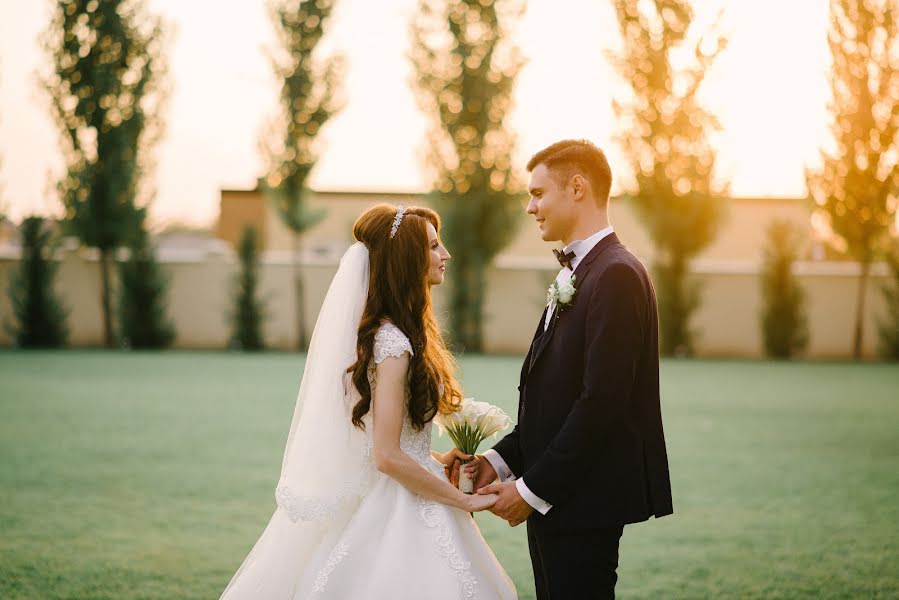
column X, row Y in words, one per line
column 562, row 294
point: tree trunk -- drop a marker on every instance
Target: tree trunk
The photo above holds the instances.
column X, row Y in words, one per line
column 679, row 289
column 667, row 313
column 108, row 340
column 466, row 305
column 860, row 310
column 476, row 306
column 299, row 298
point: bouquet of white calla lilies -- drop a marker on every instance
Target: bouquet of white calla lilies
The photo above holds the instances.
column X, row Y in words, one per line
column 473, row 423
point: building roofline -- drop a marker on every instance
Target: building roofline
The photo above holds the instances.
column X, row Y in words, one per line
column 335, row 193
column 411, row 194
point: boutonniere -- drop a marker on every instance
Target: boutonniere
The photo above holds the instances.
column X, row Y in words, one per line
column 562, row 294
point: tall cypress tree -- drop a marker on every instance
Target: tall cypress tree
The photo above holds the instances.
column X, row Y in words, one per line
column 465, row 70
column 889, row 323
column 784, row 323
column 105, row 91
column 307, row 98
column 247, row 314
column 39, row 317
column 665, row 137
column 2, row 203
column 857, row 187
column 142, row 309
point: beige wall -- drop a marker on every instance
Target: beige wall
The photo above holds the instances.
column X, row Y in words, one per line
column 335, row 229
column 201, row 290
column 742, row 237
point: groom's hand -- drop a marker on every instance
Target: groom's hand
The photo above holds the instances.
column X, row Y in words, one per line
column 510, row 505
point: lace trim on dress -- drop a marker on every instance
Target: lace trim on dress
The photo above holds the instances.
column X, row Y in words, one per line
column 390, row 341
column 432, row 514
column 308, row 508
column 321, row 580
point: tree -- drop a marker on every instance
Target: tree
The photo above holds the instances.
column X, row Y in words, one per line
column 142, row 311
column 247, row 315
column 664, row 135
column 857, row 184
column 3, row 207
column 39, row 317
column 308, row 100
column 105, row 92
column 784, row 323
column 889, row 325
column 465, row 74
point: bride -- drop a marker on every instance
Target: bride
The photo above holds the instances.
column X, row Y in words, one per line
column 364, row 507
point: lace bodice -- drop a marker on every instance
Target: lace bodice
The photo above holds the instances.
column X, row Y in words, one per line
column 339, row 512
column 391, row 341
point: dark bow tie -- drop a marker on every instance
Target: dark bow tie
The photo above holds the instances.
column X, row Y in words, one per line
column 564, row 258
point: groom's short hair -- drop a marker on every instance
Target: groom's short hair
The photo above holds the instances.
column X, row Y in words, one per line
column 569, row 157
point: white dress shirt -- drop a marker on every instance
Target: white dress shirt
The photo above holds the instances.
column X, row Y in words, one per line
column 581, row 248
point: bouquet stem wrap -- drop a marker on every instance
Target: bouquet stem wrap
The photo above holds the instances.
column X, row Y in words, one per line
column 473, row 423
column 466, row 480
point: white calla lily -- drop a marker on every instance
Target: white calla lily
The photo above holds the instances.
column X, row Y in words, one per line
column 473, row 423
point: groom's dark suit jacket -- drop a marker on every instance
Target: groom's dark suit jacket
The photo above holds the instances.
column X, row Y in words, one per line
column 589, row 437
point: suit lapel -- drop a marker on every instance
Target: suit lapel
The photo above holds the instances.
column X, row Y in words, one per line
column 538, row 334
column 526, row 365
column 540, row 343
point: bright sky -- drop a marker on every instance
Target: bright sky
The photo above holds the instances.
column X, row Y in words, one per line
column 769, row 90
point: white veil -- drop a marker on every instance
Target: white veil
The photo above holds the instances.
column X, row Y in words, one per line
column 327, row 462
column 327, row 459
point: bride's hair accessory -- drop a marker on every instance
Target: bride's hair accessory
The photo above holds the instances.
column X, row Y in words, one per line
column 400, row 211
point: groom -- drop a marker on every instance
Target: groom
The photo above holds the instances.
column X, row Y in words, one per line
column 588, row 453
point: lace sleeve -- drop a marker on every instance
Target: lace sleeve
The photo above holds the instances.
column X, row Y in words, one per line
column 390, row 341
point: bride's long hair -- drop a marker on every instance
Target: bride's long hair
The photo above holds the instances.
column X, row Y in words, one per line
column 399, row 291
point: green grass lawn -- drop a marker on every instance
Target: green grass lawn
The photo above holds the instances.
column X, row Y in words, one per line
column 131, row 475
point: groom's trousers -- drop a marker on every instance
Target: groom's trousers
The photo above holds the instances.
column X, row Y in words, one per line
column 574, row 565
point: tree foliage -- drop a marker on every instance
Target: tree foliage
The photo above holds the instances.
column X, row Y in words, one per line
column 888, row 326
column 106, row 91
column 664, row 132
column 857, row 186
column 248, row 312
column 308, row 100
column 465, row 71
column 39, row 319
column 142, row 299
column 784, row 321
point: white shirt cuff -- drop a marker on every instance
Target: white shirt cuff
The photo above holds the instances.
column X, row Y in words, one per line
column 536, row 502
column 499, row 465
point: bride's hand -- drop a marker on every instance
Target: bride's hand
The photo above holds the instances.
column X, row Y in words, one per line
column 452, row 461
column 479, row 502
column 448, row 460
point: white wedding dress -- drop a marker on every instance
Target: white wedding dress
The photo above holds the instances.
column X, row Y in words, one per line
column 384, row 543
